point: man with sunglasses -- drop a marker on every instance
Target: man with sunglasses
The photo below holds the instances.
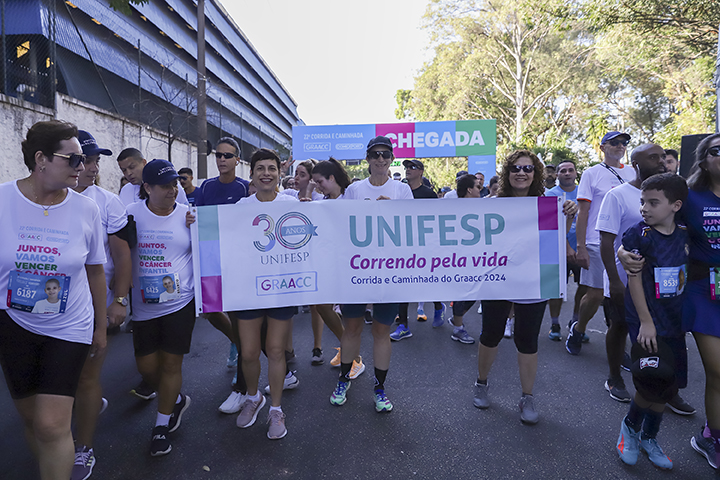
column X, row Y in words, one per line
column 186, row 182
column 595, row 183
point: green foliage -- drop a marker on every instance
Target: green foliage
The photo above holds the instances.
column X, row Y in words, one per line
column 441, row 171
column 123, row 6
column 359, row 171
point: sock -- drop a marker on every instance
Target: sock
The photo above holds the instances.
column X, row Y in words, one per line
column 555, row 320
column 635, row 416
column 345, row 371
column 459, row 329
column 651, row 424
column 255, row 397
column 179, row 399
column 481, row 382
column 380, row 376
column 162, row 420
column 276, row 409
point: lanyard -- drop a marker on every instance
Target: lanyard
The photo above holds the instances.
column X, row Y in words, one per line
column 613, row 172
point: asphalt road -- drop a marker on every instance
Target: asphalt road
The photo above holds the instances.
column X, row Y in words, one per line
column 433, row 432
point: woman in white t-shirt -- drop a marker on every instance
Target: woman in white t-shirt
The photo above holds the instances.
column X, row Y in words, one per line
column 265, row 171
column 50, row 238
column 304, row 188
column 162, row 330
column 522, row 176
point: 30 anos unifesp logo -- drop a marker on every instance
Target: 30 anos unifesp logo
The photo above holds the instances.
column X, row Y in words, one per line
column 293, row 230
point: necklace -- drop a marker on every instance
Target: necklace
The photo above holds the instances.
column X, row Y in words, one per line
column 45, row 209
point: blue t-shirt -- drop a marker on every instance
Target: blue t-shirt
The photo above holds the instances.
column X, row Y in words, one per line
column 701, row 213
column 214, row 192
column 663, row 275
column 192, row 195
column 557, row 191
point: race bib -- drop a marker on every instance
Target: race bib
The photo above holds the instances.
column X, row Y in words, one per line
column 40, row 294
column 669, row 281
column 160, row 288
column 714, row 287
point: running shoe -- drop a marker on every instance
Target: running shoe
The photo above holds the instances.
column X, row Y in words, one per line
column 178, row 410
column 479, row 308
column 509, row 328
column 290, row 382
column 382, row 404
column 232, row 357
column 233, row 403
column 339, row 395
column 160, row 445
column 585, row 338
column 616, row 389
column 234, row 380
column 655, row 453
column 627, row 362
column 277, row 429
column 249, row 412
column 368, row 317
column 335, row 362
column 357, row 369
column 481, row 399
column 317, row 356
column 462, row 336
column 555, row 332
column 573, row 344
column 144, row 391
column 104, row 406
column 438, row 317
column 401, row 332
column 421, row 317
column 289, row 356
column 680, row 406
column 84, row 463
column 706, row 447
column 528, row 414
column 628, row 444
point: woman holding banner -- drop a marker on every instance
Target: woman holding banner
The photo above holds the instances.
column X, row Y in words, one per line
column 522, row 176
column 162, row 330
column 379, row 186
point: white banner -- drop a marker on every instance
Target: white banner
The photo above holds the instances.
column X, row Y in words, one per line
column 277, row 254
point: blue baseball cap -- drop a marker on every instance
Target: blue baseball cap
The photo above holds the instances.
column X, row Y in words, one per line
column 610, row 135
column 89, row 144
column 159, row 172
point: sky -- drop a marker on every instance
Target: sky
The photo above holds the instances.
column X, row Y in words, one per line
column 341, row 61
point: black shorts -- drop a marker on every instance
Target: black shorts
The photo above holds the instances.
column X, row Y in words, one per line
column 279, row 313
column 613, row 313
column 575, row 270
column 679, row 350
column 36, row 364
column 171, row 333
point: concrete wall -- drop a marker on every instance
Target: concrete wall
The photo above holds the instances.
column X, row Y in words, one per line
column 110, row 130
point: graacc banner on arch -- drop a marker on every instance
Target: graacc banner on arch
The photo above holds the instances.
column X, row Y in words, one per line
column 264, row 255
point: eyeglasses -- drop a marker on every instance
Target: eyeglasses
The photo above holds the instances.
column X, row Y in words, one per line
column 380, row 153
column 75, row 159
column 615, row 142
column 714, row 151
column 524, row 168
column 226, row 155
column 411, row 167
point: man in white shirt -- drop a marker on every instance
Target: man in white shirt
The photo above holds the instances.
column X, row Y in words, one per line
column 131, row 163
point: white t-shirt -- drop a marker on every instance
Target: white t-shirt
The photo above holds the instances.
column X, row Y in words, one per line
column 44, row 306
column 41, row 247
column 364, row 190
column 595, row 183
column 278, row 198
column 619, row 211
column 114, row 219
column 296, row 193
column 451, row 194
column 162, row 250
column 131, row 193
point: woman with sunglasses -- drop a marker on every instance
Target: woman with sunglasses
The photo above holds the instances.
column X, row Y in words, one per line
column 701, row 313
column 522, row 176
column 50, row 235
column 379, row 186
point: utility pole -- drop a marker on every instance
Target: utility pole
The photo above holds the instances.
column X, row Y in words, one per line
column 202, row 98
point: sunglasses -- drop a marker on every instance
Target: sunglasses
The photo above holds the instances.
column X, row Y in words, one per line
column 714, row 151
column 75, row 159
column 380, row 153
column 226, row 155
column 183, row 177
column 524, row 168
column 615, row 142
column 412, row 167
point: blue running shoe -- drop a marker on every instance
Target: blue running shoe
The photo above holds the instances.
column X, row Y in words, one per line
column 339, row 396
column 555, row 332
column 232, row 357
column 382, row 404
column 421, row 317
column 655, row 453
column 438, row 317
column 573, row 344
column 628, row 444
column 401, row 332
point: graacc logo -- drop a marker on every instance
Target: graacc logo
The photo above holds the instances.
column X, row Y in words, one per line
column 293, row 230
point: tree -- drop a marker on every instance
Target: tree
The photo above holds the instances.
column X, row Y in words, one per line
column 123, row 6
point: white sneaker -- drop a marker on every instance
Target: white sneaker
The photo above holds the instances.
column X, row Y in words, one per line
column 480, row 308
column 509, row 327
column 233, row 403
column 288, row 384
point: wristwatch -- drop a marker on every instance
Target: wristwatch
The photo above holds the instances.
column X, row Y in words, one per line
column 122, row 301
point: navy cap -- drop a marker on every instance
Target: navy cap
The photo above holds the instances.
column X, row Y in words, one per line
column 159, row 172
column 610, row 135
column 416, row 163
column 460, row 174
column 89, row 144
column 654, row 373
column 379, row 140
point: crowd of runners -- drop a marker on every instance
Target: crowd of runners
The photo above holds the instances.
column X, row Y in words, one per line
column 78, row 260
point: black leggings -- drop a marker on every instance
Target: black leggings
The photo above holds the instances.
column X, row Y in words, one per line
column 528, row 319
column 461, row 307
column 403, row 311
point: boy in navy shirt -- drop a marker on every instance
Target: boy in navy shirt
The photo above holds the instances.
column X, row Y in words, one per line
column 653, row 314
